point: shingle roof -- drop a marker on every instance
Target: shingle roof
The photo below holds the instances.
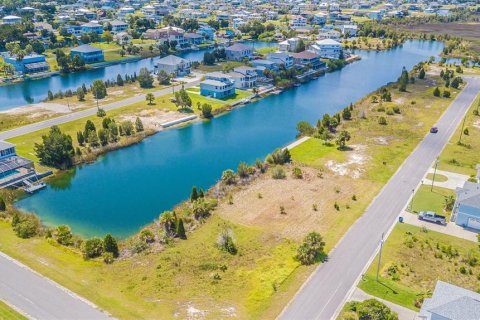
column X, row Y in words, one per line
column 86, row 48
column 464, row 308
column 305, row 55
column 171, row 60
column 239, row 47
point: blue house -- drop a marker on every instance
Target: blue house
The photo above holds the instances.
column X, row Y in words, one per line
column 88, row 53
column 466, row 210
column 92, row 27
column 217, row 85
column 207, row 31
column 13, row 169
column 32, row 63
column 281, row 58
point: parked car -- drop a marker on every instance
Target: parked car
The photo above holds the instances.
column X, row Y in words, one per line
column 432, row 217
column 433, row 130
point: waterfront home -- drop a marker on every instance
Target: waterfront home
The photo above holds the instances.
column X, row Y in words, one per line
column 308, row 59
column 32, row 63
column 88, row 53
column 13, row 169
column 122, row 38
column 194, row 38
column 174, row 65
column 92, row 27
column 327, row 48
column 238, row 52
column 207, row 31
column 329, row 34
column 289, row 45
column 11, row 20
column 262, row 64
column 281, row 58
column 244, row 77
column 118, row 26
column 349, row 30
column 217, row 85
column 449, row 302
column 298, row 22
column 466, row 210
column 320, row 18
column 156, row 34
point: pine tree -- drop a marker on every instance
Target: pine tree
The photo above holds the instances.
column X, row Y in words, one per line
column 436, row 92
column 110, row 245
column 3, row 206
column 180, row 229
column 80, row 138
column 194, row 194
column 421, row 74
column 138, row 125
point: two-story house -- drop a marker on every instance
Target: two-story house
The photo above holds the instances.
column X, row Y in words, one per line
column 217, row 85
column 88, row 53
column 238, row 52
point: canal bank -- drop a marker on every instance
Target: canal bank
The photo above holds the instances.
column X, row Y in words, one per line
column 159, row 172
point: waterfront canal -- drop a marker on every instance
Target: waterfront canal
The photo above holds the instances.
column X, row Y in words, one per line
column 128, row 188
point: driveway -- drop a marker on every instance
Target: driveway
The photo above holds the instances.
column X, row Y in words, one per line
column 455, row 180
column 451, row 228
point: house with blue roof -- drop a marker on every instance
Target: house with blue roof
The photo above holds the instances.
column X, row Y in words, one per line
column 88, row 53
column 32, row 63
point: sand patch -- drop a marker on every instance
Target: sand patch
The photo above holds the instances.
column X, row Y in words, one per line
column 152, row 119
column 41, row 108
column 352, row 166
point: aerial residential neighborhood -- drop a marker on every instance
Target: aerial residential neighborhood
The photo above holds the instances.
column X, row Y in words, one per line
column 240, row 159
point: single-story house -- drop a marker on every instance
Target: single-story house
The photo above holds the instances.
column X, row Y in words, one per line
column 32, row 63
column 238, row 52
column 217, row 85
column 308, row 58
column 466, row 210
column 88, row 53
column 449, row 302
column 327, row 48
column 174, row 65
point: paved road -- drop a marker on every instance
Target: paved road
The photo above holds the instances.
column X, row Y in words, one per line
column 84, row 113
column 40, row 298
column 326, row 290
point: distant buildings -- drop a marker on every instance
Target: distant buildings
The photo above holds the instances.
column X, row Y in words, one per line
column 32, row 63
column 11, row 19
column 88, row 53
column 174, row 65
column 118, row 26
column 217, row 85
column 238, row 52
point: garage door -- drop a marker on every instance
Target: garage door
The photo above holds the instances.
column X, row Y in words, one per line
column 473, row 223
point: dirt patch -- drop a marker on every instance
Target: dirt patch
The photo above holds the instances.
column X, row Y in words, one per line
column 39, row 108
column 353, row 166
column 152, row 119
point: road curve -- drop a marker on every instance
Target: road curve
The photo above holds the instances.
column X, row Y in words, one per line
column 326, row 290
column 40, row 298
column 84, row 113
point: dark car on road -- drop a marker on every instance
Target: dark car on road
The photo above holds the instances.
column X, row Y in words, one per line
column 433, row 130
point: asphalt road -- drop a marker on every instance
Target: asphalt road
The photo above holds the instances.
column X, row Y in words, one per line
column 325, row 291
column 40, row 298
column 85, row 113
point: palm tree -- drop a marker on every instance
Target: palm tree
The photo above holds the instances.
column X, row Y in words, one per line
column 168, row 219
column 150, row 98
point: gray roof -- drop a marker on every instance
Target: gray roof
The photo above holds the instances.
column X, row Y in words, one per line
column 238, row 47
column 213, row 82
column 172, row 60
column 118, row 23
column 5, row 145
column 85, row 48
column 469, row 194
column 452, row 302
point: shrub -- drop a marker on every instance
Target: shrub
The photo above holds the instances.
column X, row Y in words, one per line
column 202, row 207
column 226, row 242
column 25, row 225
column 3, row 206
column 375, row 310
column 436, row 92
column 381, row 108
column 396, row 109
column 466, row 132
column 101, row 113
column 311, row 250
column 92, row 248
column 110, row 245
column 108, row 258
column 229, row 177
column 446, row 94
column 180, row 229
column 278, row 173
column 390, row 112
column 297, row 173
column 242, row 170
column 63, row 235
column 279, row 156
column 147, row 236
column 382, row 121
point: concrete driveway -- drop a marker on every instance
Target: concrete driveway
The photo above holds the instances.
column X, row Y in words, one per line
column 455, row 180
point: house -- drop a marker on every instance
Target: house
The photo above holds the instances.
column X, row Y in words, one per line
column 118, row 26
column 32, row 63
column 194, row 38
column 308, row 58
column 155, row 34
column 297, row 22
column 238, row 52
column 207, row 31
column 11, row 19
column 289, row 45
column 350, row 30
column 123, row 12
column 375, row 15
column 466, row 210
column 320, row 18
column 13, row 169
column 281, row 58
column 329, row 34
column 122, row 38
column 92, row 27
column 244, row 77
column 73, row 30
column 261, row 64
column 449, row 302
column 88, row 53
column 174, row 65
column 217, row 85
column 327, row 48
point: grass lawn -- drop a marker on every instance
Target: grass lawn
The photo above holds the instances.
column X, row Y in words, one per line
column 438, row 177
column 413, row 260
column 267, row 50
column 463, row 158
column 314, row 153
column 7, row 313
column 239, row 95
column 427, row 200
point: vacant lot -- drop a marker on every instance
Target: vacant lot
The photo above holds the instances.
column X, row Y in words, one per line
column 413, row 260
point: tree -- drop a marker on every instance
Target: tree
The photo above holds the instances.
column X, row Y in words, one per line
column 3, row 206
column 80, row 94
column 107, row 36
column 304, row 129
column 229, row 177
column 163, row 77
column 63, row 235
column 127, row 128
column 311, row 250
column 50, row 95
column 119, row 80
column 180, row 229
column 208, row 59
column 150, row 98
column 346, row 114
column 225, row 242
column 56, row 149
column 300, row 46
column 110, row 245
column 138, row 125
column 145, row 79
column 456, row 82
column 103, row 136
column 403, row 80
column 207, row 110
column 342, row 139
column 99, row 90
column 92, row 248
column 93, row 139
column 373, row 309
column 382, row 121
column 436, row 92
column 80, row 138
column 182, row 99
column 421, row 74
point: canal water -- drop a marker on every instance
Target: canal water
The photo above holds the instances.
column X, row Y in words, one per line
column 128, row 188
column 34, row 91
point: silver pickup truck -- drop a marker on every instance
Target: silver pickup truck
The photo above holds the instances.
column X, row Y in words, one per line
column 432, row 217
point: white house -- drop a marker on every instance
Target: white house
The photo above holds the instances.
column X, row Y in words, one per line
column 11, row 19
column 244, row 77
column 289, row 45
column 327, row 48
column 174, row 65
column 350, row 29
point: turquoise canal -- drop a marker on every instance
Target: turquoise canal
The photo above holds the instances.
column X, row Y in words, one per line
column 128, row 188
column 34, row 91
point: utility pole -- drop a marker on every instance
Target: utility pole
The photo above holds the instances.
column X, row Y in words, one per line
column 434, row 173
column 379, row 256
column 461, row 131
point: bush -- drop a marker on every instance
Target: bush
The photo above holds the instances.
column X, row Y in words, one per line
column 390, row 112
column 305, row 129
column 279, row 156
column 101, row 113
column 147, row 236
column 382, row 121
column 297, row 173
column 225, row 242
column 202, row 207
column 92, row 248
column 446, row 94
column 63, row 235
column 375, row 310
column 278, row 173
column 242, row 170
column 110, row 245
column 25, row 225
column 396, row 109
column 108, row 258
column 229, row 177
column 3, row 206
column 311, row 250
column 436, row 92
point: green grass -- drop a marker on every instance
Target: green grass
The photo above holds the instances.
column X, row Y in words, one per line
column 427, row 200
column 314, row 152
column 438, row 177
column 420, row 259
column 7, row 313
column 239, row 95
column 267, row 50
